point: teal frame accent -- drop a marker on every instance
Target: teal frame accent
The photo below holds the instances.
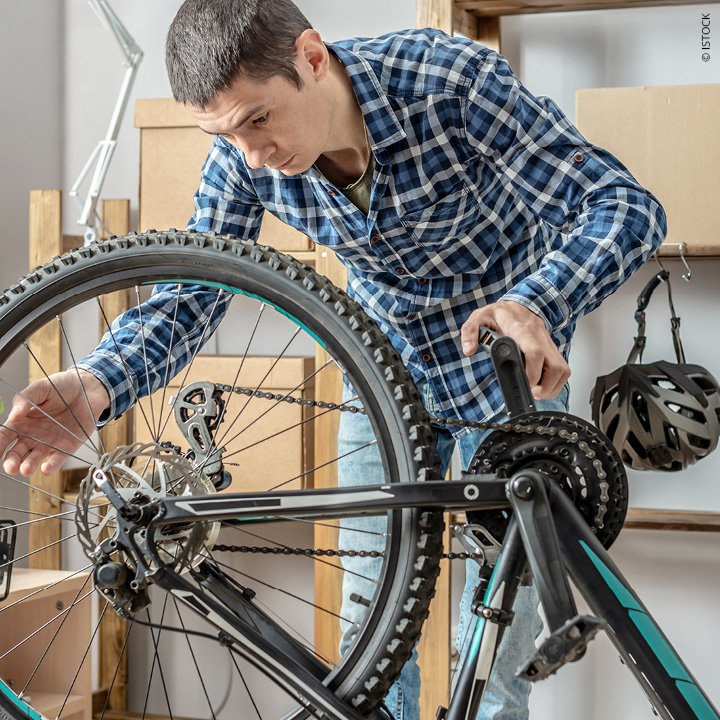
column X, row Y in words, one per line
column 662, row 650
column 238, row 291
column 480, row 625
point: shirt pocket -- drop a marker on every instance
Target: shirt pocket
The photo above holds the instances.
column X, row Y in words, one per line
column 451, row 216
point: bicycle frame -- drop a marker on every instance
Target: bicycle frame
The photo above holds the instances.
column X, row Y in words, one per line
column 669, row 685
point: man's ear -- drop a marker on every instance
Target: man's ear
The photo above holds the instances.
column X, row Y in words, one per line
column 311, row 55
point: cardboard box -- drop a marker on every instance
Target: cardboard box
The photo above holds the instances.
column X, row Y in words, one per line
column 266, row 441
column 669, row 139
column 172, row 152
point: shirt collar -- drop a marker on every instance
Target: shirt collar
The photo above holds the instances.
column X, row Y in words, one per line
column 383, row 127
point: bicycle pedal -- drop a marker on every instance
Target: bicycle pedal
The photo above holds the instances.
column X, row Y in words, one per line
column 566, row 644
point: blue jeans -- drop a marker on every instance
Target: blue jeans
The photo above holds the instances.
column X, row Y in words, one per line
column 506, row 696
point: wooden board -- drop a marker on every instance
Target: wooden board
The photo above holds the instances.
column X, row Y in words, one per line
column 45, row 241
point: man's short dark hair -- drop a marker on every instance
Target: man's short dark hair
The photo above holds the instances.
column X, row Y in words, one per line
column 211, row 42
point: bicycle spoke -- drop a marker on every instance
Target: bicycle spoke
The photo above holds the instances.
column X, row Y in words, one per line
column 130, row 626
column 156, row 659
column 276, row 360
column 154, row 429
column 45, row 588
column 51, row 418
column 62, row 399
column 37, row 550
column 194, row 355
column 41, row 442
column 82, row 384
column 245, row 685
column 272, row 405
column 281, row 621
column 194, row 659
column 167, row 365
column 237, row 373
column 42, row 491
column 122, row 360
column 42, row 627
column 84, row 657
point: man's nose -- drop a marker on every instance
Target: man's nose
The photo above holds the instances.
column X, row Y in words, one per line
column 256, row 154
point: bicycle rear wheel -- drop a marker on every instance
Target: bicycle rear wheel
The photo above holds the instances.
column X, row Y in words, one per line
column 275, row 313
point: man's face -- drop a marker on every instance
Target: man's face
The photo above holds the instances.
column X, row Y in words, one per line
column 271, row 122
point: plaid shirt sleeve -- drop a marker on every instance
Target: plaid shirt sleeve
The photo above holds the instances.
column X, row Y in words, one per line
column 153, row 342
column 610, row 223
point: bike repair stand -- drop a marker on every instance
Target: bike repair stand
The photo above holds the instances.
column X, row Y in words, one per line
column 532, row 520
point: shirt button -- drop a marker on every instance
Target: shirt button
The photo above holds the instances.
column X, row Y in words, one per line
column 426, row 357
column 330, row 191
column 399, row 271
column 374, row 239
column 412, row 317
column 422, row 281
column 579, row 157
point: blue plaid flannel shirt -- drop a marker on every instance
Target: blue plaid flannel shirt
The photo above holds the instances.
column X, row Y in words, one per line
column 482, row 192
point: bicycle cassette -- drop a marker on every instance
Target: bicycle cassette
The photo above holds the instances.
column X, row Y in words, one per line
column 570, row 451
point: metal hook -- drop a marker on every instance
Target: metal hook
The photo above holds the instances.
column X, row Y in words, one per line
column 681, row 247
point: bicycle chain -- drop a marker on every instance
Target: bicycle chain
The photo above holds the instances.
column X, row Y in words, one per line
column 321, row 552
column 509, row 426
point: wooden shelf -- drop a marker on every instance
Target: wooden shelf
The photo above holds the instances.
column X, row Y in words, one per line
column 686, row 520
column 49, row 704
column 497, row 8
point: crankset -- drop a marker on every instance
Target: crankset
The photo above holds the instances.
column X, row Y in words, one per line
column 574, row 454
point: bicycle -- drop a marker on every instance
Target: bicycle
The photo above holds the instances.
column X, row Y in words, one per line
column 545, row 496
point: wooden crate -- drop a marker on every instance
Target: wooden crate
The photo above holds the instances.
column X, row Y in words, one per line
column 172, row 152
column 272, row 442
column 55, row 674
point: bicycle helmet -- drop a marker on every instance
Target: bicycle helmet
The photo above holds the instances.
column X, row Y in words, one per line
column 662, row 415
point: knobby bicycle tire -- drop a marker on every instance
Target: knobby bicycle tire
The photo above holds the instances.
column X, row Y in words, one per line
column 406, row 442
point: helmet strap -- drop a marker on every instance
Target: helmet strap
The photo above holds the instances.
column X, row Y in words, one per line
column 636, row 352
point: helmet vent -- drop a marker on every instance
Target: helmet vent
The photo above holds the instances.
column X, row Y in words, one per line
column 640, row 407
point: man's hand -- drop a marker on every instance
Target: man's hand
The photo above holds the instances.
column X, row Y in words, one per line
column 44, row 442
column 546, row 368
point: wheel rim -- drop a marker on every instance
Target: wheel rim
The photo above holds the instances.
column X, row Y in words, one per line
column 156, row 697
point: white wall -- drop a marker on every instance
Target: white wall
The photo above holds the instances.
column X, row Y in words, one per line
column 59, row 79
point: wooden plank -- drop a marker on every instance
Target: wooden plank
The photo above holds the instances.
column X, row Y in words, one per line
column 685, row 520
column 45, row 241
column 464, row 23
column 488, row 33
column 328, row 386
column 434, row 647
column 435, row 14
column 496, row 8
column 115, row 215
column 127, row 715
column 71, row 242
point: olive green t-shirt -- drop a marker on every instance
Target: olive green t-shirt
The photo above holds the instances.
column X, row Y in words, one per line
column 359, row 192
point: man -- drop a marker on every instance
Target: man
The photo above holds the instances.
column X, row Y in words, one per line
column 454, row 197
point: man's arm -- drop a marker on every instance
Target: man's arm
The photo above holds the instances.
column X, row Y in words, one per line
column 610, row 224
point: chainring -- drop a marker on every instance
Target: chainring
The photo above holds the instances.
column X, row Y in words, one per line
column 595, row 481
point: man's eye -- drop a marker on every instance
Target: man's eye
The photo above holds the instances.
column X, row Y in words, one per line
column 261, row 120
